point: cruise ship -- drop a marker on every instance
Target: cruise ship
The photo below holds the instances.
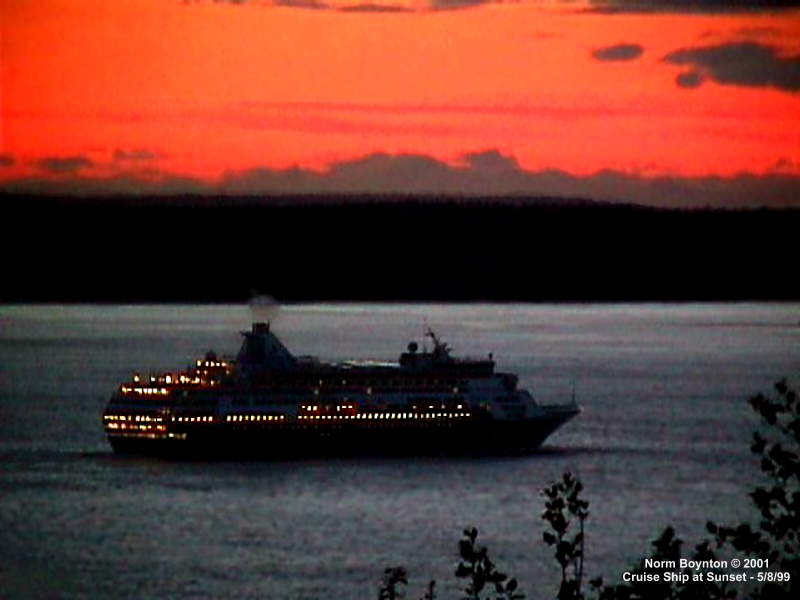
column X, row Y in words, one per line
column 267, row 402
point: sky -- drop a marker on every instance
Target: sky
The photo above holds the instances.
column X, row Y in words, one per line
column 661, row 102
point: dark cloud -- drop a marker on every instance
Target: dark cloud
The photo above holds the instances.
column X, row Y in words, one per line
column 149, row 184
column 690, row 79
column 386, row 173
column 369, row 7
column 596, row 6
column 491, row 173
column 618, row 52
column 491, row 160
column 456, row 4
column 745, row 64
column 6, row 160
column 484, row 173
column 135, row 155
column 377, row 173
column 361, row 7
column 64, row 164
column 692, row 6
column 306, row 4
column 376, row 7
column 366, row 6
column 786, row 165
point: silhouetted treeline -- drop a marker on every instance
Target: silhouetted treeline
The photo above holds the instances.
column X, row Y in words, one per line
column 368, row 248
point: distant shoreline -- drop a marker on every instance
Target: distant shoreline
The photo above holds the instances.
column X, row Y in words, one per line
column 365, row 200
column 417, row 250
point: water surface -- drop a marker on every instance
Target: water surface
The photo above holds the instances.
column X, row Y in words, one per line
column 663, row 440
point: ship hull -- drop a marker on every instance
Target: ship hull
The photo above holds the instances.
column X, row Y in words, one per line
column 480, row 436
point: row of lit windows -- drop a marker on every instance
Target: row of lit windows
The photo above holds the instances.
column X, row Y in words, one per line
column 181, row 379
column 130, row 421
column 144, row 390
column 138, row 379
column 134, row 426
column 195, row 419
column 316, row 407
column 163, row 391
column 211, row 363
column 147, row 435
column 240, row 418
column 372, row 416
column 138, row 418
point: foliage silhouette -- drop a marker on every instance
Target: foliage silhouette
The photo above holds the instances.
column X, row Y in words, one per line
column 562, row 504
column 392, row 577
column 430, row 593
column 777, row 537
column 478, row 568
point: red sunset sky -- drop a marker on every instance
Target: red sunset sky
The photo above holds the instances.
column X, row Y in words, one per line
column 656, row 101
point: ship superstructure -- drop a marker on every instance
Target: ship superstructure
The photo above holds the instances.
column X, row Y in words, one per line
column 269, row 402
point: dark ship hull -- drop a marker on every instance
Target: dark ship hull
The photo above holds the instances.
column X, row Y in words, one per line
column 443, row 438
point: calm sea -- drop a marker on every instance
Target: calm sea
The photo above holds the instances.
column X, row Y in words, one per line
column 663, row 439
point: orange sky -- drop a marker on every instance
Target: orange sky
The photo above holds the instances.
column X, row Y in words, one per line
column 201, row 89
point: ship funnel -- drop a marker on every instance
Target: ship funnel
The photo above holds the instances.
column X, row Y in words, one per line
column 262, row 350
column 260, row 328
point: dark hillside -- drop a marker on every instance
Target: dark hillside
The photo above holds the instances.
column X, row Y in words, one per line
column 223, row 249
